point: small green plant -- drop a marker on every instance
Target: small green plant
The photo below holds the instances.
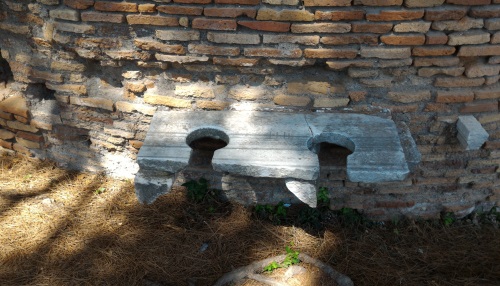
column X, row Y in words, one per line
column 276, row 213
column 100, row 190
column 291, row 258
column 351, row 216
column 197, row 190
column 310, row 217
column 448, row 219
column 199, row 193
column 323, row 199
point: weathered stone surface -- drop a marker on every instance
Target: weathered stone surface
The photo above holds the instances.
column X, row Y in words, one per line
column 468, row 38
column 304, row 191
column 149, row 185
column 470, row 133
column 281, row 150
column 15, row 105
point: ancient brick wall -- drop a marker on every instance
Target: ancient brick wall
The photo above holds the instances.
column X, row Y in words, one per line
column 87, row 76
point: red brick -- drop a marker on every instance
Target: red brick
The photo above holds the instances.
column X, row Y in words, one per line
column 478, row 107
column 479, row 51
column 469, row 2
column 102, row 17
column 269, row 26
column 395, row 15
column 273, row 53
column 363, row 39
column 30, row 136
column 308, row 3
column 454, row 96
column 182, row 10
column 442, row 13
column 433, row 51
column 213, row 50
column 458, row 82
column 230, row 12
column 240, row 2
column 378, row 2
column 214, row 24
column 115, row 6
column 378, row 28
column 403, row 39
column 79, row 4
column 340, row 15
column 436, row 38
column 240, row 62
column 342, row 53
column 152, row 20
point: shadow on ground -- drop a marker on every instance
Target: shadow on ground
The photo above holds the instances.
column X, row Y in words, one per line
column 64, row 228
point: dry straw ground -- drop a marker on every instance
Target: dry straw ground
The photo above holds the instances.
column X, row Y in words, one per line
column 67, row 228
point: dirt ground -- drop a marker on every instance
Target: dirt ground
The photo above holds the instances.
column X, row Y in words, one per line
column 59, row 227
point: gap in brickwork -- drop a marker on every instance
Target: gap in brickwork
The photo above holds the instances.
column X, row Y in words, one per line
column 333, row 161
column 39, row 92
column 108, row 74
column 5, row 71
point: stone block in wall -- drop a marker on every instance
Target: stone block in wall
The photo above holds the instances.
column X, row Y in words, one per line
column 167, row 100
column 461, row 25
column 378, row 2
column 152, row 20
column 423, row 3
column 469, row 2
column 417, row 27
column 365, row 27
column 478, row 70
column 479, row 51
column 454, row 96
column 15, row 105
column 471, row 37
column 486, row 11
column 284, row 15
column 346, row 15
column 433, row 51
column 65, row 14
column 79, row 4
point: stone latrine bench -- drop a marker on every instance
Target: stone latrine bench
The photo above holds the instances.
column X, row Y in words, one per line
column 270, row 144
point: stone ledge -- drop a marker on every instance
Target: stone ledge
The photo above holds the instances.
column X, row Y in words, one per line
column 274, row 145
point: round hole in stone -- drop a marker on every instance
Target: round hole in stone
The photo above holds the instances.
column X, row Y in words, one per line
column 314, row 143
column 207, row 139
column 204, row 142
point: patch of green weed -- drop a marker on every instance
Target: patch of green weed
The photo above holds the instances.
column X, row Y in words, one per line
column 291, row 258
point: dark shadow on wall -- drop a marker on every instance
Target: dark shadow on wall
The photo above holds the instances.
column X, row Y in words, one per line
column 5, row 71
